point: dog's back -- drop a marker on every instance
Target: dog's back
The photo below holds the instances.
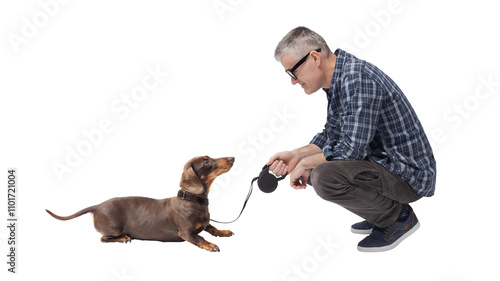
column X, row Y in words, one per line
column 140, row 217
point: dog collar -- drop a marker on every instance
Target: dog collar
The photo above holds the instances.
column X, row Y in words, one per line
column 198, row 198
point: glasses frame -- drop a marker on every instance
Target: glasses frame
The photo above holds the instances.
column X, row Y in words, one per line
column 299, row 63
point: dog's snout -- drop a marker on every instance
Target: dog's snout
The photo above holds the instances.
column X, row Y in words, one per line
column 230, row 159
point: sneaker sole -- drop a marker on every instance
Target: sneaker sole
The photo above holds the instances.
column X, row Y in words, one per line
column 393, row 245
column 361, row 231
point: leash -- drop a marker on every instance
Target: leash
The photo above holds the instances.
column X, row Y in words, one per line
column 244, row 204
column 266, row 182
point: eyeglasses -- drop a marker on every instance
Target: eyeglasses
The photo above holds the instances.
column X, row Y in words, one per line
column 292, row 70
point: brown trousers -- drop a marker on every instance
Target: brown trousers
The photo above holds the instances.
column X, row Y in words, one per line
column 363, row 187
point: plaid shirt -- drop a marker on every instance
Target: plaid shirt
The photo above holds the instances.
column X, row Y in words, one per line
column 368, row 115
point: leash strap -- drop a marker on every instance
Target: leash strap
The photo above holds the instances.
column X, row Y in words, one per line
column 244, row 204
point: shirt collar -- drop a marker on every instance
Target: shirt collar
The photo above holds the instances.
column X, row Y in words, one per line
column 339, row 64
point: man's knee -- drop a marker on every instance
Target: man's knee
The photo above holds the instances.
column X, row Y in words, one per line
column 327, row 179
column 317, row 175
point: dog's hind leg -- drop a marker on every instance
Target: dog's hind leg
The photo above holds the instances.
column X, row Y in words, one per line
column 122, row 238
column 109, row 232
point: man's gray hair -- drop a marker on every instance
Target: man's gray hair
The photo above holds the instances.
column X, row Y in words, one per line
column 299, row 42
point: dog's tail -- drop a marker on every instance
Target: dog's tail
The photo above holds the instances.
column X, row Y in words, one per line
column 75, row 215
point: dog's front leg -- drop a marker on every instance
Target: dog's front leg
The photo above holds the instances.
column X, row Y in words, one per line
column 215, row 232
column 197, row 240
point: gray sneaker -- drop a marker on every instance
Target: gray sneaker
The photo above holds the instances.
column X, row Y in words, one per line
column 363, row 227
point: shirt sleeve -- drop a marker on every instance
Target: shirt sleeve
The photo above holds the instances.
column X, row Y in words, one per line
column 362, row 106
column 322, row 141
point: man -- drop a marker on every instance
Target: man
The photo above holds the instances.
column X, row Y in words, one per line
column 373, row 157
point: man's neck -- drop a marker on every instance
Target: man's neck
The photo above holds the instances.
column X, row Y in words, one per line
column 328, row 70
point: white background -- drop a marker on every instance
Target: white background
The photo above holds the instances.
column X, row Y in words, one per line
column 225, row 95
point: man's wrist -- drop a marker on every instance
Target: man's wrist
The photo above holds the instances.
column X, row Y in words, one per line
column 305, row 151
column 312, row 161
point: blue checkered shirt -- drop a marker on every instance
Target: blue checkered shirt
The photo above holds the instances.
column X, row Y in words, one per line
column 368, row 115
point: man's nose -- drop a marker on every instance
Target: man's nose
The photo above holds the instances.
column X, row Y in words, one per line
column 294, row 81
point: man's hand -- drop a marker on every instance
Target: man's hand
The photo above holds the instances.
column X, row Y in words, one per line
column 282, row 163
column 298, row 163
column 299, row 176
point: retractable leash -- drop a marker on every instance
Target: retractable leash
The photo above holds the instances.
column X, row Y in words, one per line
column 267, row 183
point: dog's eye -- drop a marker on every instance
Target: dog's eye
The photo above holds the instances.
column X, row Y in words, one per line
column 206, row 162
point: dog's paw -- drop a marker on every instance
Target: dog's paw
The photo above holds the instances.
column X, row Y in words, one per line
column 209, row 246
column 225, row 233
column 125, row 239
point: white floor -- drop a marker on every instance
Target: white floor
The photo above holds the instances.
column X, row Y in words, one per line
column 101, row 100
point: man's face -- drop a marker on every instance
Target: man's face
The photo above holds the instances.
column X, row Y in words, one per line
column 308, row 74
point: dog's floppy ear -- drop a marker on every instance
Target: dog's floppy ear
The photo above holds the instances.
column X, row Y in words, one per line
column 190, row 181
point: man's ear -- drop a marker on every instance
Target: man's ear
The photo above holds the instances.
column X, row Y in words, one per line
column 316, row 57
column 190, row 181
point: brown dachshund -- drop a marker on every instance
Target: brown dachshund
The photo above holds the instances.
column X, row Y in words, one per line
column 174, row 219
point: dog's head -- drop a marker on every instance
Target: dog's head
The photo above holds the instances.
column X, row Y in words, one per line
column 200, row 172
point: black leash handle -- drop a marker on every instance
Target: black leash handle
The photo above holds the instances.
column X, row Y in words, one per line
column 244, row 204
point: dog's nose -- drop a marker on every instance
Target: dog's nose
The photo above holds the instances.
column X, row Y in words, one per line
column 230, row 159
